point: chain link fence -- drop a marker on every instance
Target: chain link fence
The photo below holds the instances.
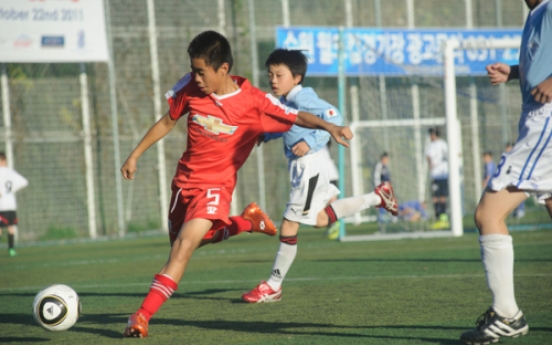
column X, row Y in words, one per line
column 47, row 128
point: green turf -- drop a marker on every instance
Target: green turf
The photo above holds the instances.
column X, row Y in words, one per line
column 393, row 292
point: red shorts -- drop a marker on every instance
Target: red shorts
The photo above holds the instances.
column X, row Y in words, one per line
column 188, row 204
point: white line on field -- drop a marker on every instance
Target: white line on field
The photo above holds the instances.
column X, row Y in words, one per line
column 241, row 281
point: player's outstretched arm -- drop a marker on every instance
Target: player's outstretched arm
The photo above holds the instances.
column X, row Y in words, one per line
column 500, row 73
column 155, row 133
column 339, row 133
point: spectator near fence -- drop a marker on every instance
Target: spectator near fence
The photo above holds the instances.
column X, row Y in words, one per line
column 10, row 182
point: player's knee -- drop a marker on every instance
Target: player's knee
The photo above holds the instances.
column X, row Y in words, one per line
column 478, row 217
column 322, row 220
column 484, row 219
column 181, row 250
column 289, row 228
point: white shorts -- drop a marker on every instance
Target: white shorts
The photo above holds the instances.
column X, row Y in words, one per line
column 529, row 165
column 332, row 169
column 310, row 188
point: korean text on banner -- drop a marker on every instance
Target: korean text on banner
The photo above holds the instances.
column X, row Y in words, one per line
column 393, row 52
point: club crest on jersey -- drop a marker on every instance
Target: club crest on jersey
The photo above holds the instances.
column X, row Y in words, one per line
column 213, row 124
column 331, row 112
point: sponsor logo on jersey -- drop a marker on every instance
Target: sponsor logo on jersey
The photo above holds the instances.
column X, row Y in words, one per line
column 214, row 124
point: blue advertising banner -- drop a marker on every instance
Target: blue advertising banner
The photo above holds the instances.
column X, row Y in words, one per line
column 393, row 52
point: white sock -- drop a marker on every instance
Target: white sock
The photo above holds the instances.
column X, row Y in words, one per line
column 349, row 206
column 282, row 263
column 497, row 254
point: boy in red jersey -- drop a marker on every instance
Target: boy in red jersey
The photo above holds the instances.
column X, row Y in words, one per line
column 226, row 116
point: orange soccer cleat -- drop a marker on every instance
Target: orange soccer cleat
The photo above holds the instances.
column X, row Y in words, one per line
column 388, row 200
column 262, row 293
column 137, row 326
column 260, row 220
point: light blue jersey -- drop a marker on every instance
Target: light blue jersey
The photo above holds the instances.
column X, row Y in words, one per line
column 535, row 60
column 305, row 99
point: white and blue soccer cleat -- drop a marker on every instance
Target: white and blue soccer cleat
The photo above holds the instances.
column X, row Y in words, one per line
column 490, row 327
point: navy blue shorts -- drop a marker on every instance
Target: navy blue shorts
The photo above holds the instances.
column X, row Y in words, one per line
column 439, row 188
column 8, row 218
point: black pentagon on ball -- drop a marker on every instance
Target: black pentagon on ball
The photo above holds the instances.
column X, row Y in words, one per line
column 57, row 301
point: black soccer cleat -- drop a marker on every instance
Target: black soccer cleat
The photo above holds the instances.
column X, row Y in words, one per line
column 490, row 327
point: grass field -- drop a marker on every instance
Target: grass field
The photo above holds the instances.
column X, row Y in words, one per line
column 394, row 292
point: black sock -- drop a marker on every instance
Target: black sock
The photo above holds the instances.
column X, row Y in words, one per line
column 437, row 208
column 443, row 208
column 10, row 241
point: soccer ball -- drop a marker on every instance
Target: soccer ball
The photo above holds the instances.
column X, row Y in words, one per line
column 56, row 307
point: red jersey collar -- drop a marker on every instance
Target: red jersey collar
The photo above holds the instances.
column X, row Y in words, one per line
column 243, row 84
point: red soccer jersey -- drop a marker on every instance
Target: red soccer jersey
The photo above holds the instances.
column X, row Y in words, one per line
column 222, row 130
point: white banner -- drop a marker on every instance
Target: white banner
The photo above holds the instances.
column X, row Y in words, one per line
column 52, row 31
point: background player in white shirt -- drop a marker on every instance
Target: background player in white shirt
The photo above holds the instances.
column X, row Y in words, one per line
column 437, row 159
column 10, row 182
column 526, row 169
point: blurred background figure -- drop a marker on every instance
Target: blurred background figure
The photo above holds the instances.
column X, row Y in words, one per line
column 10, row 182
column 382, row 174
column 412, row 211
column 437, row 159
column 490, row 167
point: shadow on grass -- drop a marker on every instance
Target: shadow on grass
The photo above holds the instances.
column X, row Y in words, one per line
column 478, row 260
column 98, row 319
column 95, row 324
column 23, row 340
column 294, row 329
column 199, row 295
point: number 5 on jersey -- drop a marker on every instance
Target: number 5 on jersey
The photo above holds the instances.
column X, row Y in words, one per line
column 213, row 193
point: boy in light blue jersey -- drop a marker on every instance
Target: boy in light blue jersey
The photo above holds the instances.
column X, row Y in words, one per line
column 311, row 189
column 526, row 169
column 489, row 169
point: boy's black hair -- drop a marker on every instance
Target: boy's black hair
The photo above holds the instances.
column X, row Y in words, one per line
column 384, row 154
column 213, row 48
column 295, row 60
column 2, row 155
column 488, row 153
column 434, row 131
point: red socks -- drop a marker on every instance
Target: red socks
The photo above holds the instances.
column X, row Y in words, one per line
column 239, row 225
column 332, row 217
column 160, row 291
column 291, row 240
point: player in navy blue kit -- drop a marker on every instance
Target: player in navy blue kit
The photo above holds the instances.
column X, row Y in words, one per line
column 526, row 169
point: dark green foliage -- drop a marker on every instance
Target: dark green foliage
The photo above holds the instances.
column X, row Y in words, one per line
column 59, row 233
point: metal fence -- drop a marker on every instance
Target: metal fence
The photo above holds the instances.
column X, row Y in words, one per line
column 49, row 136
